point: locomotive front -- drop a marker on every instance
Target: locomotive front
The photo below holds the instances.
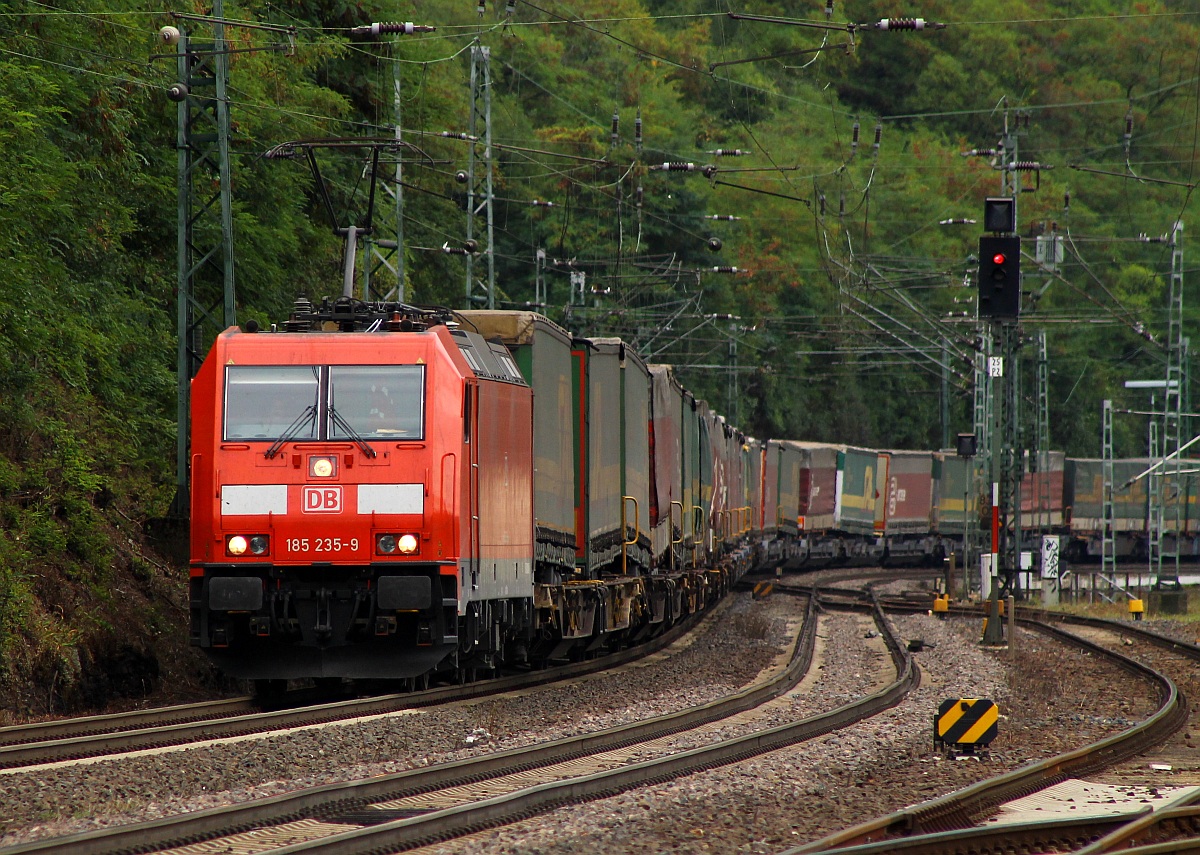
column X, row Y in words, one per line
column 328, row 471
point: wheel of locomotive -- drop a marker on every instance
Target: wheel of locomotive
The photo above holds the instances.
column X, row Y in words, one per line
column 270, row 693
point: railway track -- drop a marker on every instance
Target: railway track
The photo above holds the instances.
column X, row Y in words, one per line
column 333, row 818
column 951, row 824
column 420, row 806
column 98, row 736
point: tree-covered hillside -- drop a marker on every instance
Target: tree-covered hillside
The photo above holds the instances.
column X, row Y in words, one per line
column 817, row 284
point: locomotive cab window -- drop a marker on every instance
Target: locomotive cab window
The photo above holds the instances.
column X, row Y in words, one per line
column 308, row 402
column 377, row 401
column 267, row 401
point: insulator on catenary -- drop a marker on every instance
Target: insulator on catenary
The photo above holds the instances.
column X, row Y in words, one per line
column 725, row 269
column 616, row 124
column 675, row 166
column 906, row 24
column 726, row 217
column 1027, row 166
column 406, row 29
column 481, row 7
column 510, row 7
column 538, row 203
column 980, row 152
column 730, row 152
column 878, row 137
column 639, row 195
column 637, row 129
column 854, row 138
column 455, row 135
column 821, row 199
column 828, row 9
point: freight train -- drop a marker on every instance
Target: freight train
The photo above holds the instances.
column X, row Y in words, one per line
column 381, row 491
column 386, row 492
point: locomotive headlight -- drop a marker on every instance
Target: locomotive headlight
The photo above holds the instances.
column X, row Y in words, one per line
column 259, row 544
column 405, row 544
column 408, row 544
column 321, row 467
column 236, row 545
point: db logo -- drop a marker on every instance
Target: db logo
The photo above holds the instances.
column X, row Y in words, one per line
column 322, row 500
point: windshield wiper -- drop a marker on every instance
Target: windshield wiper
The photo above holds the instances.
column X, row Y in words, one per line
column 307, row 417
column 351, row 432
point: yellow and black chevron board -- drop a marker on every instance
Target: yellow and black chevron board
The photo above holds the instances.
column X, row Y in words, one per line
column 965, row 724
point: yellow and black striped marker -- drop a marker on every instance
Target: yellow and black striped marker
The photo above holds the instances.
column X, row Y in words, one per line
column 965, row 723
column 763, row 590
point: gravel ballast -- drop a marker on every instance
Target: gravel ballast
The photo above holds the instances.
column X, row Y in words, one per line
column 1050, row 699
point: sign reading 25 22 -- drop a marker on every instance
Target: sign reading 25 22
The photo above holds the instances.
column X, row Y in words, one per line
column 323, row 500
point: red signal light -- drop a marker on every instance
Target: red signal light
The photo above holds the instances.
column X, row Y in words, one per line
column 998, row 258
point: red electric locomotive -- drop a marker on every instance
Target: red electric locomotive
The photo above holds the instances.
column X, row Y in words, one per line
column 362, row 497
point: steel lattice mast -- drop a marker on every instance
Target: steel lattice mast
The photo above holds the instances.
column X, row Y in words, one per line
column 206, row 292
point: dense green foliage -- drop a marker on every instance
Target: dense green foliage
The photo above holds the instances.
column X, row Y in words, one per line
column 846, row 320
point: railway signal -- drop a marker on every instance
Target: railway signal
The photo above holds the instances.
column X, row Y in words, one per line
column 999, row 277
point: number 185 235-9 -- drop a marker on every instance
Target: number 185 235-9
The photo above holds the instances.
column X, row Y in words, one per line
column 321, row 544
